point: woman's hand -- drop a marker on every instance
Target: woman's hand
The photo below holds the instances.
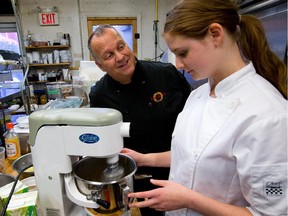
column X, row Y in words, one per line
column 161, row 159
column 138, row 157
column 169, row 196
column 172, row 196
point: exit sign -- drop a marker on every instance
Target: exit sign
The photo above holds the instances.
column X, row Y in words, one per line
column 47, row 19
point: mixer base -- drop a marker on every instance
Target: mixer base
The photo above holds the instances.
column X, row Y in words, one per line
column 77, row 210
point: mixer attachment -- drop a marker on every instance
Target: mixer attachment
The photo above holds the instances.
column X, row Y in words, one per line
column 113, row 172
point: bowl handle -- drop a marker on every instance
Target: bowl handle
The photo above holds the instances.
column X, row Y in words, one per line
column 125, row 191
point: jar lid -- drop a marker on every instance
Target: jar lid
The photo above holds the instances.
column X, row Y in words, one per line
column 9, row 125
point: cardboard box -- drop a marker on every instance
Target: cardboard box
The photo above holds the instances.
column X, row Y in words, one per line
column 23, row 204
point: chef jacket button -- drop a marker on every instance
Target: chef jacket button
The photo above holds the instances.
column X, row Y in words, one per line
column 232, row 105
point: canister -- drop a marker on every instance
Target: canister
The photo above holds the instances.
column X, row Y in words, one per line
column 53, row 90
column 58, row 90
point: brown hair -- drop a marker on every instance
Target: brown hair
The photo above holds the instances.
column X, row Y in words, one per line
column 192, row 18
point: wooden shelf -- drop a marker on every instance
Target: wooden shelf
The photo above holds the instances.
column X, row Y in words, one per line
column 50, row 65
column 47, row 47
column 9, row 67
column 38, row 82
column 39, row 85
column 44, row 82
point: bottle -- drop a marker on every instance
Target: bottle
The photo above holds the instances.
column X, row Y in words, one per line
column 67, row 37
column 12, row 142
column 29, row 38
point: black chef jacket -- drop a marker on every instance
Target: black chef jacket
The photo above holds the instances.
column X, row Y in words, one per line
column 151, row 102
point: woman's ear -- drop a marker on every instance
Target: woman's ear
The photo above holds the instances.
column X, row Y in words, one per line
column 216, row 31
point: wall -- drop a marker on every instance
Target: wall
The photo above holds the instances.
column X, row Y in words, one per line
column 274, row 20
column 73, row 15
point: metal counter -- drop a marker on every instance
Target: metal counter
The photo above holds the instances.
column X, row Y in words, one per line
column 8, row 94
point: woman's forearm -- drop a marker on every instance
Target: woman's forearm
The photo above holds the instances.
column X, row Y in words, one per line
column 156, row 159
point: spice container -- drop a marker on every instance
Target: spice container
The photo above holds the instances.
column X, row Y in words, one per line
column 12, row 142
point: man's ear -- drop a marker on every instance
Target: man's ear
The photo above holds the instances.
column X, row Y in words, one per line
column 99, row 65
column 216, row 31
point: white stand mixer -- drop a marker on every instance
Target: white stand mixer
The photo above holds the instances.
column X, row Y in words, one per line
column 57, row 138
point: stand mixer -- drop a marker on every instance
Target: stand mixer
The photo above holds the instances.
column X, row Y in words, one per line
column 58, row 139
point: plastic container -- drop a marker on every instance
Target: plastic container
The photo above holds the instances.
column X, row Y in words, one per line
column 24, row 145
column 58, row 90
column 53, row 90
column 12, row 143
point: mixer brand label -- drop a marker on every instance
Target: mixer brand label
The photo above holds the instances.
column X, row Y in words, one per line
column 89, row 138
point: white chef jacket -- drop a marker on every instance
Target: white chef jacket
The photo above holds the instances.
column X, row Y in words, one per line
column 233, row 148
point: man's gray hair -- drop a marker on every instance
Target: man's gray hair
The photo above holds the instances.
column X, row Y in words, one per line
column 98, row 32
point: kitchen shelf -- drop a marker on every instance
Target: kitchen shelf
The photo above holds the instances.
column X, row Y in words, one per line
column 47, row 47
column 44, row 82
column 33, row 74
column 49, row 65
column 8, row 94
column 9, row 67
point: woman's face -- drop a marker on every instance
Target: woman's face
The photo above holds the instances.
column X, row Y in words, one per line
column 196, row 57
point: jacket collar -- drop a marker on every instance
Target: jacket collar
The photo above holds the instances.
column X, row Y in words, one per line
column 226, row 84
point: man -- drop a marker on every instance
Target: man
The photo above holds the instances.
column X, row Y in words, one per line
column 148, row 94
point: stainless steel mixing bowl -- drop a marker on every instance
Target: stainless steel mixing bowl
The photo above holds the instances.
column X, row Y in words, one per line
column 110, row 194
column 23, row 162
column 6, row 179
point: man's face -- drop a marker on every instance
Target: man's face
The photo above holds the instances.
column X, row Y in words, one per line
column 114, row 56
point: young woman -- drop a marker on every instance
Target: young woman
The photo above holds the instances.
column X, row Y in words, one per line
column 229, row 145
